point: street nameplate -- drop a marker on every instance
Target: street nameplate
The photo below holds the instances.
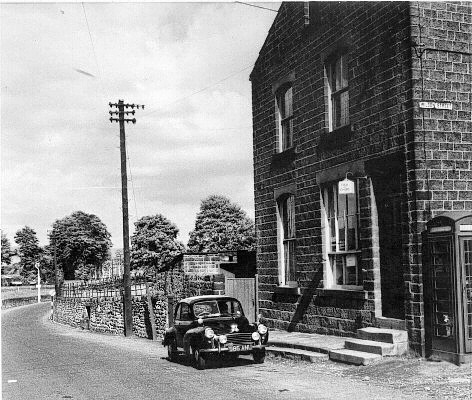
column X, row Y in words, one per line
column 436, row 105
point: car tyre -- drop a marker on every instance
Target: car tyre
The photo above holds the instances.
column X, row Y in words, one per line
column 198, row 358
column 172, row 351
column 259, row 356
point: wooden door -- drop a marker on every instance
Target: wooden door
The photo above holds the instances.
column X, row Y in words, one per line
column 243, row 289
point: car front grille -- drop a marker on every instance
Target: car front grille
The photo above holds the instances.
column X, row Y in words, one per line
column 240, row 338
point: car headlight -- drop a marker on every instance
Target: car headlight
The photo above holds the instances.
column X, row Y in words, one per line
column 255, row 336
column 209, row 333
column 262, row 329
column 223, row 339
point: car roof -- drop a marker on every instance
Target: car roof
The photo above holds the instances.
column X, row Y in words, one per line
column 194, row 299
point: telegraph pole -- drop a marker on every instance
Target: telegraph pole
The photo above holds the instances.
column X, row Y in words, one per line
column 128, row 316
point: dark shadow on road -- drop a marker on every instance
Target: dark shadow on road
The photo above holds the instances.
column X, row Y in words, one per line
column 213, row 362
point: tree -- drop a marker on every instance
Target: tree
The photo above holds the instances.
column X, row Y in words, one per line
column 29, row 251
column 154, row 243
column 221, row 225
column 6, row 252
column 82, row 244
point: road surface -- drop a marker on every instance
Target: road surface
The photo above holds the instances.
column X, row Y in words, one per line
column 44, row 360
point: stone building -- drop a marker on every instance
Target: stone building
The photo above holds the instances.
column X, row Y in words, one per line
column 362, row 134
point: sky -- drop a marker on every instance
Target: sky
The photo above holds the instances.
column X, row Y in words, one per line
column 188, row 63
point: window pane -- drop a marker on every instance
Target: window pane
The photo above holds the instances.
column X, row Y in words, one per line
column 288, row 103
column 337, row 262
column 344, row 75
column 338, row 74
column 352, row 232
column 351, row 204
column 289, row 252
column 341, row 233
column 344, row 108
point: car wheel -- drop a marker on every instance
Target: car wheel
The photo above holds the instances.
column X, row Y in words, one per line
column 198, row 358
column 172, row 351
column 259, row 356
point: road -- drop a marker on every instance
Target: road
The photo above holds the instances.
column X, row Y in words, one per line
column 44, row 360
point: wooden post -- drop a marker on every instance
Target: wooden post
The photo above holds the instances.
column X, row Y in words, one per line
column 170, row 310
column 152, row 317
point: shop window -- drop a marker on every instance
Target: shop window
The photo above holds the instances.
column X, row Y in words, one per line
column 338, row 91
column 287, row 240
column 340, row 225
column 284, row 102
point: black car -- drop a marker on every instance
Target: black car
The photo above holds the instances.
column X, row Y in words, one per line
column 207, row 326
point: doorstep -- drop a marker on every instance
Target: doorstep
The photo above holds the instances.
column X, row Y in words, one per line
column 311, row 347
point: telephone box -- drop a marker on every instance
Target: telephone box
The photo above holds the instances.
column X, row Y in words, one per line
column 447, row 272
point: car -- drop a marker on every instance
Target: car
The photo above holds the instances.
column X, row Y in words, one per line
column 214, row 325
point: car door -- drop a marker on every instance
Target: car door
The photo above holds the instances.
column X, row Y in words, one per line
column 183, row 322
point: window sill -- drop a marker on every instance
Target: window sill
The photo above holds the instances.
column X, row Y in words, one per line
column 335, row 139
column 333, row 253
column 283, row 159
column 287, row 290
column 343, row 293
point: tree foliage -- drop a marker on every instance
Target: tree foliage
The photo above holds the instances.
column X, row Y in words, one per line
column 29, row 251
column 82, row 244
column 6, row 251
column 221, row 225
column 154, row 243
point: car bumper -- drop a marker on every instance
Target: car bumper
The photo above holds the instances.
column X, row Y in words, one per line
column 258, row 347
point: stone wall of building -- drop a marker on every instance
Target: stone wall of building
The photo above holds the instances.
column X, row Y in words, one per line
column 386, row 82
column 377, row 35
column 439, row 166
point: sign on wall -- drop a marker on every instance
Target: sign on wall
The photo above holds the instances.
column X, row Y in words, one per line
column 346, row 186
column 436, row 105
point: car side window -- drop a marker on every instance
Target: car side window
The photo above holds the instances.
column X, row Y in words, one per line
column 185, row 312
column 177, row 312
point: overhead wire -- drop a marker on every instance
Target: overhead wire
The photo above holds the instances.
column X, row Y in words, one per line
column 200, row 90
column 100, row 80
column 253, row 5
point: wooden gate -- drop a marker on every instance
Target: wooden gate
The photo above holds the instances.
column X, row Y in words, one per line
column 245, row 290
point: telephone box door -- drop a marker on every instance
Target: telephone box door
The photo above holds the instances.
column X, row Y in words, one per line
column 465, row 246
column 443, row 318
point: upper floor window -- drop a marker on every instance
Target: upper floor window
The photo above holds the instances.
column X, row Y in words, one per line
column 287, row 240
column 337, row 72
column 341, row 237
column 284, row 98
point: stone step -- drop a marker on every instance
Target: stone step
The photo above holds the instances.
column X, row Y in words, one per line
column 354, row 357
column 300, row 346
column 297, row 354
column 383, row 335
column 370, row 346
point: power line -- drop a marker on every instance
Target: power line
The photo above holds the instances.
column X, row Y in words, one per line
column 94, row 54
column 253, row 5
column 201, row 90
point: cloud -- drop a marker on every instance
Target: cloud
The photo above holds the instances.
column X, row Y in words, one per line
column 194, row 138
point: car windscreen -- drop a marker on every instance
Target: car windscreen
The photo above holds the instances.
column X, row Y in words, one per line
column 216, row 308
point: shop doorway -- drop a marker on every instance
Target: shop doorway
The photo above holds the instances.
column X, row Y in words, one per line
column 387, row 175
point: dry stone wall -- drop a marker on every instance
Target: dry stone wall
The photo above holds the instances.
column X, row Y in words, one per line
column 105, row 314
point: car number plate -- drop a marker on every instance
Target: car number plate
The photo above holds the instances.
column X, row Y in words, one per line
column 239, row 347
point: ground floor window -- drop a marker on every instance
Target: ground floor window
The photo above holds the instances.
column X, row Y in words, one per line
column 287, row 240
column 340, row 226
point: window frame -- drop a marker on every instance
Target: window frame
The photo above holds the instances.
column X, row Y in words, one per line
column 284, row 107
column 336, row 251
column 336, row 93
column 287, row 240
